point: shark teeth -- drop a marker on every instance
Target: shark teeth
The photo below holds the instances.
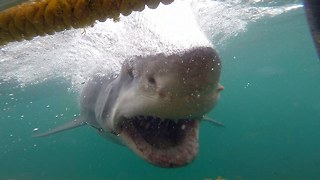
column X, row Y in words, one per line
column 163, row 142
column 160, row 133
column 155, row 124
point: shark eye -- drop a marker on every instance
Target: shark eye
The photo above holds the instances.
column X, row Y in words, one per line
column 129, row 70
column 151, row 80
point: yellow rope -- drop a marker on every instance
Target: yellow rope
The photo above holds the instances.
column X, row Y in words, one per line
column 41, row 17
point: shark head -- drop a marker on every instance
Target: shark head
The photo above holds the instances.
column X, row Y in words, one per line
column 154, row 106
column 158, row 102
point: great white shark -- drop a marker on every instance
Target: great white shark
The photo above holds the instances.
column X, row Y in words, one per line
column 154, row 106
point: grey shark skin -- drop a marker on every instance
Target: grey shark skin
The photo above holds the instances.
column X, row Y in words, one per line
column 155, row 104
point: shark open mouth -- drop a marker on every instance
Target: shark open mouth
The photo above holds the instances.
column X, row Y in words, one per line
column 163, row 142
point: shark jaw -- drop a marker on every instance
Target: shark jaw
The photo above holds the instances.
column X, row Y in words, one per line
column 158, row 111
column 162, row 142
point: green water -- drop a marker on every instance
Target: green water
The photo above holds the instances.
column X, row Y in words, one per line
column 270, row 106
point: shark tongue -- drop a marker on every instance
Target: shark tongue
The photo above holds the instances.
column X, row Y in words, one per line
column 164, row 143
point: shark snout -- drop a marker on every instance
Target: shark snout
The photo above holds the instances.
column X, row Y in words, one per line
column 193, row 73
column 220, row 88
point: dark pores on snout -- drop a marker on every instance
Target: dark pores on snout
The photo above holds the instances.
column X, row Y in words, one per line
column 191, row 77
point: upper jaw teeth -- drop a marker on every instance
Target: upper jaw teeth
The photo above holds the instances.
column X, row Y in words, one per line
column 155, row 119
column 149, row 121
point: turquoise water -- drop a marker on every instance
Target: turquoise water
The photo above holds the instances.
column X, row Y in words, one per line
column 270, row 106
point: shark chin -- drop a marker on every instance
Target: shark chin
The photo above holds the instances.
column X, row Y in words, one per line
column 162, row 142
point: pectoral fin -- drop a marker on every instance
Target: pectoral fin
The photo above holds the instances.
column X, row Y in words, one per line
column 212, row 121
column 67, row 126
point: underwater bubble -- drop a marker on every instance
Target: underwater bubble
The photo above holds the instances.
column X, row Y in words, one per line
column 247, row 85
